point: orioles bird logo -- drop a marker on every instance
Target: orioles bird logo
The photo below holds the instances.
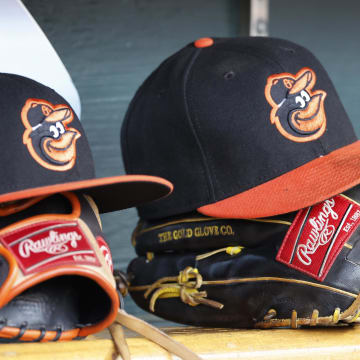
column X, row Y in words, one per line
column 47, row 137
column 297, row 111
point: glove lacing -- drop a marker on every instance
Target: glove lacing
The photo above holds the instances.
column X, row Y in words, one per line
column 181, row 286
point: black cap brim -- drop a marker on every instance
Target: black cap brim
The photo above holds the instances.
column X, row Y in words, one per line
column 110, row 193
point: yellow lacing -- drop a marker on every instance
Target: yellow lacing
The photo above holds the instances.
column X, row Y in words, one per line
column 230, row 250
column 336, row 316
column 294, row 321
column 314, row 318
column 185, row 286
column 353, row 318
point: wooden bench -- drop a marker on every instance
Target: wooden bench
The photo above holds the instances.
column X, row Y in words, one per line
column 214, row 344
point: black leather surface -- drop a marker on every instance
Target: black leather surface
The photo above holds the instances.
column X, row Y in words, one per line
column 68, row 302
column 246, row 303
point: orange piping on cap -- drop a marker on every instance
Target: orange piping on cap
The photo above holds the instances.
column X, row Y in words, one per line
column 313, row 182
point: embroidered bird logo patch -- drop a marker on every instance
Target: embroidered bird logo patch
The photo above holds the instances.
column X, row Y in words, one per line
column 297, row 111
column 47, row 136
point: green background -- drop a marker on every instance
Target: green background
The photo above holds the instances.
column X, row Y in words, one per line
column 110, row 46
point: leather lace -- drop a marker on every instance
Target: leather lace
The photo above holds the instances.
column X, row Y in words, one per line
column 24, row 327
column 149, row 332
column 141, row 327
column 185, row 286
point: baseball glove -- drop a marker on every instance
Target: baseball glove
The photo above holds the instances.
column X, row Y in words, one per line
column 297, row 269
column 56, row 279
column 56, row 276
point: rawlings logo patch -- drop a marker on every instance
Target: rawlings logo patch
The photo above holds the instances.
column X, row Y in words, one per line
column 317, row 235
column 43, row 245
column 52, row 244
column 297, row 111
column 47, row 136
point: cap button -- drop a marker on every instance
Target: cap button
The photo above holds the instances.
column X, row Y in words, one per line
column 203, row 42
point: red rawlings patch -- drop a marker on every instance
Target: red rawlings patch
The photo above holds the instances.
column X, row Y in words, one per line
column 317, row 235
column 45, row 244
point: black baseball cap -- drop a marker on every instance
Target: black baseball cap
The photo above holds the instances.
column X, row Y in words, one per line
column 44, row 150
column 243, row 127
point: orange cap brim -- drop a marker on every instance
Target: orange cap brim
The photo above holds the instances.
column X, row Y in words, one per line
column 304, row 186
column 110, row 193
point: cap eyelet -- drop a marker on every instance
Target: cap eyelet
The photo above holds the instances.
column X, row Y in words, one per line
column 229, row 75
column 290, row 50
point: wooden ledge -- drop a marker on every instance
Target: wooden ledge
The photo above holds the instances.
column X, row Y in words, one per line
column 329, row 343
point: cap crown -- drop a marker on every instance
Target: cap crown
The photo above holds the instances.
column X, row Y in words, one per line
column 42, row 141
column 219, row 120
